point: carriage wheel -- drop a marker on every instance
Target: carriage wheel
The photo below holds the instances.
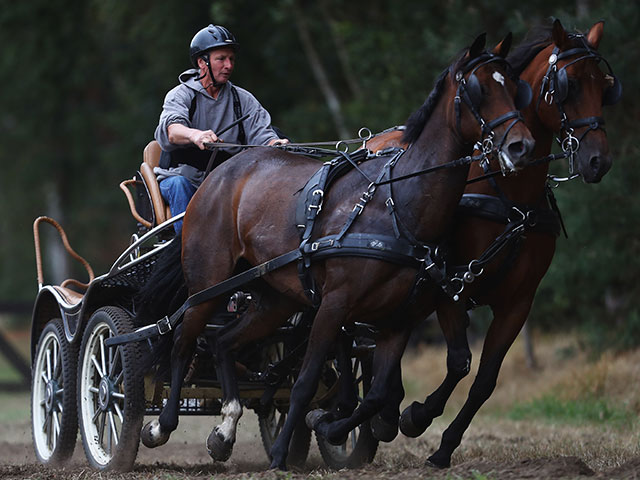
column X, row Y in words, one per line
column 54, row 421
column 271, row 419
column 110, row 392
column 361, row 445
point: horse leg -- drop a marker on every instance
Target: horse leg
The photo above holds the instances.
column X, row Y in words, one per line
column 255, row 323
column 386, row 371
column 347, row 394
column 384, row 425
column 454, row 320
column 157, row 432
column 222, row 438
column 322, row 338
column 504, row 328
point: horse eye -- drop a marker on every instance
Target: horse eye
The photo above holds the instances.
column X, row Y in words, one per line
column 574, row 88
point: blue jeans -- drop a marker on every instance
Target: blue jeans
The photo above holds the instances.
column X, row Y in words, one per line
column 177, row 191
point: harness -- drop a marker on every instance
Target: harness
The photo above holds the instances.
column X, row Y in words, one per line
column 402, row 248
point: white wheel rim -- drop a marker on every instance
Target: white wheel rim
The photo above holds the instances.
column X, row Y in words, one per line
column 101, row 395
column 47, row 391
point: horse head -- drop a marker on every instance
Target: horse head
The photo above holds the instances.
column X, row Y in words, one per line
column 481, row 75
column 572, row 91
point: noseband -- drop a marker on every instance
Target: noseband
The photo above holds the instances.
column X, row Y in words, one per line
column 470, row 92
column 555, row 89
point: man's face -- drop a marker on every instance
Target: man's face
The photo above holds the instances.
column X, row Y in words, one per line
column 222, row 61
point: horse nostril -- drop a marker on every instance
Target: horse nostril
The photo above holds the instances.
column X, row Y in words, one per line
column 521, row 148
column 594, row 163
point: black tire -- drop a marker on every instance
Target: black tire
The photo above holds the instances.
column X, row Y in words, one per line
column 54, row 420
column 271, row 419
column 110, row 392
column 361, row 446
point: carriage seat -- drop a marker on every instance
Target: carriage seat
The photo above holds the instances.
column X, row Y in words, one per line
column 150, row 160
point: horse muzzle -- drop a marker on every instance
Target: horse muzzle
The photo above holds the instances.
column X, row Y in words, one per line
column 515, row 153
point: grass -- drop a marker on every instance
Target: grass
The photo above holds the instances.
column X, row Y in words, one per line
column 593, row 410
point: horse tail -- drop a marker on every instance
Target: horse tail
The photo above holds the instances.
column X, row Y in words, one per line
column 166, row 288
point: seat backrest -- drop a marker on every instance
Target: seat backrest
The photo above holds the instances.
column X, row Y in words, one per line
column 151, row 159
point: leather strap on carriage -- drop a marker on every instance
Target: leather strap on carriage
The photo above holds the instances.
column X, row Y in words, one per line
column 167, row 324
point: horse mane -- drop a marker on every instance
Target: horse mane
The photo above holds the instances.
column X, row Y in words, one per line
column 418, row 119
column 537, row 39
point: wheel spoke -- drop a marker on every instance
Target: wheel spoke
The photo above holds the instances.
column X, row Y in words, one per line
column 118, row 379
column 44, row 377
column 46, row 423
column 56, row 425
column 97, row 366
column 118, row 412
column 118, row 395
column 48, row 356
column 101, row 429
column 103, row 357
column 280, row 424
column 57, row 362
column 114, row 430
column 96, row 414
column 114, row 357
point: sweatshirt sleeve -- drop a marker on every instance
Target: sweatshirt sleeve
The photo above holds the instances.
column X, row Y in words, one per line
column 174, row 110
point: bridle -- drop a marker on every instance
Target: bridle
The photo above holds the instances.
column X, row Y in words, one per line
column 555, row 89
column 469, row 91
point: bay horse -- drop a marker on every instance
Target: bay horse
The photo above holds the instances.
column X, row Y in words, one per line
column 563, row 68
column 243, row 213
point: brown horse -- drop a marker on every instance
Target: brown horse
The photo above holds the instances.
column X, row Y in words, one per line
column 564, row 69
column 243, row 215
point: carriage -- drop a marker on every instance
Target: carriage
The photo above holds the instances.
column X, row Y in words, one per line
column 406, row 275
column 75, row 371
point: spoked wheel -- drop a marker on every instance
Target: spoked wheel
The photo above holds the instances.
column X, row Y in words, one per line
column 272, row 417
column 110, row 392
column 360, row 446
column 54, row 420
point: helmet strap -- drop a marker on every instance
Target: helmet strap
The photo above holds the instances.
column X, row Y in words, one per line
column 213, row 80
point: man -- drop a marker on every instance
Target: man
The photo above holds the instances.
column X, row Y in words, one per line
column 204, row 103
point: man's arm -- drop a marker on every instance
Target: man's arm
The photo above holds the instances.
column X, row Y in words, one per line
column 182, row 135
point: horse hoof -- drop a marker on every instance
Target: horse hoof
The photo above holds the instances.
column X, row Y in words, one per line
column 219, row 449
column 152, row 435
column 315, row 417
column 434, row 461
column 407, row 427
column 383, row 431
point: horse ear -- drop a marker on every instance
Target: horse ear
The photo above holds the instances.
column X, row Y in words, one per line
column 559, row 34
column 478, row 45
column 502, row 49
column 595, row 34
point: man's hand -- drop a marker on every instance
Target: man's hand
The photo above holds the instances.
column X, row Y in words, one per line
column 200, row 137
column 278, row 141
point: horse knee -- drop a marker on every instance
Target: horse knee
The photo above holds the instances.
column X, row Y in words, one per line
column 459, row 362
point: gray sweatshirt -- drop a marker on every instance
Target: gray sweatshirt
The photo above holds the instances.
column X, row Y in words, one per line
column 212, row 114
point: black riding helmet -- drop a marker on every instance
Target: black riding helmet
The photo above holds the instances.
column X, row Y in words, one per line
column 213, row 36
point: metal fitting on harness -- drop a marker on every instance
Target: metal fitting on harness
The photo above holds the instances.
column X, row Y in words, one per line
column 164, row 326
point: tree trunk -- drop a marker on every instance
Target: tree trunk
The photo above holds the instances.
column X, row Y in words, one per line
column 319, row 72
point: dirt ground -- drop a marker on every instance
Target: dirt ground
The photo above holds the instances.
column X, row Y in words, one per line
column 494, row 447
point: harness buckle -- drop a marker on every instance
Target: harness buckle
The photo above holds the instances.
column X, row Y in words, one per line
column 164, row 325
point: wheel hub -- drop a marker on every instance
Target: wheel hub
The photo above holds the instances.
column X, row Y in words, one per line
column 50, row 395
column 104, row 394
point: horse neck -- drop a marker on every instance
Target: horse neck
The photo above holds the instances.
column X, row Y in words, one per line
column 427, row 202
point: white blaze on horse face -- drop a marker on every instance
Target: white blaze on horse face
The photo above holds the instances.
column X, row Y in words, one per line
column 497, row 76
